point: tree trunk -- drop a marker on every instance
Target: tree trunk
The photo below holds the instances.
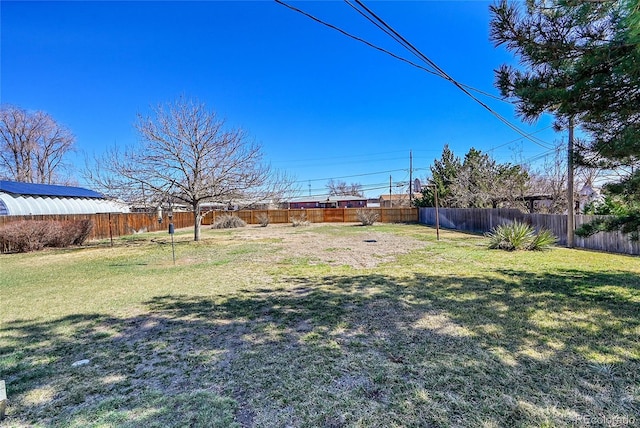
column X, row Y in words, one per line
column 197, row 221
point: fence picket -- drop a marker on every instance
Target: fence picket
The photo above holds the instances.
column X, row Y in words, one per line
column 121, row 224
column 479, row 220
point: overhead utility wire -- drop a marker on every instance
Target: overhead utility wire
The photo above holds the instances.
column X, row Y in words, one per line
column 536, row 157
column 347, row 156
column 387, row 32
column 517, row 139
column 315, row 195
column 407, row 45
column 350, row 176
column 398, row 57
column 363, row 187
column 345, row 162
column 440, row 73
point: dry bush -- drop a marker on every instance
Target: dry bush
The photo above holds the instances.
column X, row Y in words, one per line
column 81, row 231
column 24, row 236
column 228, row 221
column 367, row 217
column 57, row 234
column 300, row 220
column 263, row 219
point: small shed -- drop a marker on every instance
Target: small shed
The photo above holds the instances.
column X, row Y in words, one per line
column 44, row 199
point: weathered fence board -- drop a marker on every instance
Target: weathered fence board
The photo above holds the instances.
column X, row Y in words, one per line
column 612, row 242
column 114, row 224
column 121, row 224
column 483, row 220
column 319, row 215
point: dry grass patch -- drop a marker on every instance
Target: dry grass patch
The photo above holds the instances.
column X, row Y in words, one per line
column 336, row 245
column 261, row 329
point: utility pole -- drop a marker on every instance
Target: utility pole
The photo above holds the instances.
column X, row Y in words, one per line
column 570, row 201
column 410, row 178
column 435, row 192
column 390, row 203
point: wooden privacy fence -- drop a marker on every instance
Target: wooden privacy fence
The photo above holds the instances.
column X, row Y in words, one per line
column 113, row 224
column 483, row 220
column 318, row 215
column 121, row 224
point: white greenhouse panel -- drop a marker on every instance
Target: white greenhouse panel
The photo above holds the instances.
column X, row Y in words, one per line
column 12, row 204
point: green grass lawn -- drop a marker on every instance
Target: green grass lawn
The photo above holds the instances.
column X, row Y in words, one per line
column 241, row 333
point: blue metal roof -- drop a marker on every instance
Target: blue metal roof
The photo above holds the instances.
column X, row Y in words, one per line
column 17, row 188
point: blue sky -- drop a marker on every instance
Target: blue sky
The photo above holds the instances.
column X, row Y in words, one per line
column 321, row 105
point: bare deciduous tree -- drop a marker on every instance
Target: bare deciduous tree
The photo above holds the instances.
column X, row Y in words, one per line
column 550, row 181
column 341, row 188
column 32, row 146
column 187, row 154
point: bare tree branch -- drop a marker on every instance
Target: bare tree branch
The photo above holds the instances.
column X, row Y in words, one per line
column 33, row 146
column 187, row 154
column 341, row 188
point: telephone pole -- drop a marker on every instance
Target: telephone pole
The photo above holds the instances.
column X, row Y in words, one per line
column 410, row 178
column 570, row 201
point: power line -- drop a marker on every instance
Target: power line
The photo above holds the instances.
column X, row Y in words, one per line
column 300, row 163
column 363, row 187
column 371, row 45
column 518, row 139
column 529, row 160
column 411, row 48
column 347, row 156
column 407, row 45
column 315, row 193
column 350, row 176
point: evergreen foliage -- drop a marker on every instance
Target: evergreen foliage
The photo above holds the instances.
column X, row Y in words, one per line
column 581, row 62
column 443, row 174
column 477, row 182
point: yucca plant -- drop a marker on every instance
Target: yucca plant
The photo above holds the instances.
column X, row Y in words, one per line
column 519, row 236
column 544, row 240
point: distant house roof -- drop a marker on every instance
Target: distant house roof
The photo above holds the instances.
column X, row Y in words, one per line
column 32, row 189
column 332, row 198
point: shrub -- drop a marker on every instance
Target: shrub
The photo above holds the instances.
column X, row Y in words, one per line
column 57, row 234
column 24, row 236
column 82, row 230
column 263, row 219
column 228, row 221
column 519, row 236
column 300, row 220
column 544, row 240
column 367, row 217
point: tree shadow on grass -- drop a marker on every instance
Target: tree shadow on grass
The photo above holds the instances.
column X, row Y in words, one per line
column 340, row 350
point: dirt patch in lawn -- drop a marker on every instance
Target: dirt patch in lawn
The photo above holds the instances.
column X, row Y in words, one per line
column 338, row 245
